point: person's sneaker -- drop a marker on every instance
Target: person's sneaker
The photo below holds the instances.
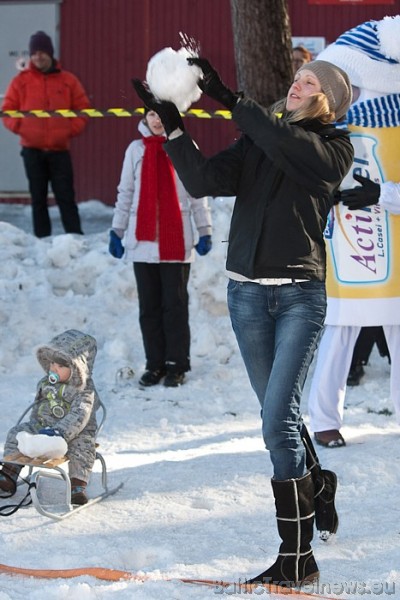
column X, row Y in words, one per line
column 174, row 379
column 355, row 375
column 151, row 377
column 330, row 439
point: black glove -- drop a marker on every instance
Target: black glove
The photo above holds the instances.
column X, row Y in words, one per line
column 212, row 85
column 337, row 196
column 167, row 111
column 361, row 196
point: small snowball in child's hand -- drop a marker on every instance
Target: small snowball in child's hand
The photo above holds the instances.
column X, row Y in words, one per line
column 41, row 445
column 170, row 77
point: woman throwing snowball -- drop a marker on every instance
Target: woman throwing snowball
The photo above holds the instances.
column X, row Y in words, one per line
column 283, row 171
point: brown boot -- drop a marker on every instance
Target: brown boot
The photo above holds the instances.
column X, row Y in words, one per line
column 8, row 478
column 78, row 491
column 330, row 439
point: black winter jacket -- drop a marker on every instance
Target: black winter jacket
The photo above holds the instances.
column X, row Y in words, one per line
column 283, row 176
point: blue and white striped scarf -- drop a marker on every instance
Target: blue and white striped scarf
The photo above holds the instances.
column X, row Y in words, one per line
column 377, row 112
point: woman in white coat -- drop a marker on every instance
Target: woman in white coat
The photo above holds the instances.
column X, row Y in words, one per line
column 154, row 214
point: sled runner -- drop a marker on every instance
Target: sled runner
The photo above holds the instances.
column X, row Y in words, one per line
column 54, row 468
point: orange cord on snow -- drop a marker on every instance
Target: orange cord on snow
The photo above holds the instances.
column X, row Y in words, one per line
column 106, row 574
column 98, row 572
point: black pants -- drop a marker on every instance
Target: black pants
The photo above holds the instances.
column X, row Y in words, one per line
column 164, row 314
column 367, row 337
column 42, row 167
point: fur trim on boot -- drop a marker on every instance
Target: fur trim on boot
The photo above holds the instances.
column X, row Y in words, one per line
column 294, row 501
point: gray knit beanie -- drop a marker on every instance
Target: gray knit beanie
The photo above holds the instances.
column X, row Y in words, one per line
column 335, row 84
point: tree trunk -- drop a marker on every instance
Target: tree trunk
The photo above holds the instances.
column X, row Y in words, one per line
column 263, row 48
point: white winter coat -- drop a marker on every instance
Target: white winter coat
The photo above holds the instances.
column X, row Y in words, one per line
column 125, row 211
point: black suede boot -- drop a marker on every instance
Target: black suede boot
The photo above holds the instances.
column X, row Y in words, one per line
column 325, row 483
column 294, row 501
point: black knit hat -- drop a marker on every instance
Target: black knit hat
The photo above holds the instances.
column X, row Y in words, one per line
column 41, row 42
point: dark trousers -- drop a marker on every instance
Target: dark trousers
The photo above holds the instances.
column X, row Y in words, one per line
column 367, row 337
column 43, row 167
column 164, row 314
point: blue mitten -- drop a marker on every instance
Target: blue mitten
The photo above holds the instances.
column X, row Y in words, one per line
column 204, row 245
column 115, row 246
column 49, row 431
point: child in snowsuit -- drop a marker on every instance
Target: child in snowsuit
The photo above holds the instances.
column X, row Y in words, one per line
column 65, row 404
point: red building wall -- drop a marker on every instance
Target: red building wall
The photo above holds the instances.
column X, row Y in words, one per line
column 330, row 21
column 107, row 42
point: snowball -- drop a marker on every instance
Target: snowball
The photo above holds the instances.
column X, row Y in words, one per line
column 170, row 77
column 41, row 445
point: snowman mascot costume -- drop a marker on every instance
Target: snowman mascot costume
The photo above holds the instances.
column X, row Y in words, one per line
column 363, row 229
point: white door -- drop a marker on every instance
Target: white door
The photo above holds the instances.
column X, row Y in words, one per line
column 18, row 21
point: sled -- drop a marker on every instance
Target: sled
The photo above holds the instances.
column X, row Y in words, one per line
column 54, row 468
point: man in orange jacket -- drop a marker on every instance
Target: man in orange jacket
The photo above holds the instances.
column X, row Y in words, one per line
column 45, row 142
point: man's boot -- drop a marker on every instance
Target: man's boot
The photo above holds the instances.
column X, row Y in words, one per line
column 294, row 501
column 325, row 483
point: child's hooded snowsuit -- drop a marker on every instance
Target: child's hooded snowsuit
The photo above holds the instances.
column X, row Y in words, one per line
column 68, row 407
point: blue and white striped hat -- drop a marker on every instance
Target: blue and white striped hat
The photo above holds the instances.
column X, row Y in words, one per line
column 370, row 55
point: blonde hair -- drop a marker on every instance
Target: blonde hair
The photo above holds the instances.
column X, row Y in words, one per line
column 317, row 108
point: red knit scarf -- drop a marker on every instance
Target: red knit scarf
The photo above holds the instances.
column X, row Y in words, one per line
column 159, row 210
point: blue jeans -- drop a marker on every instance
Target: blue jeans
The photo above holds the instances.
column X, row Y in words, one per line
column 277, row 329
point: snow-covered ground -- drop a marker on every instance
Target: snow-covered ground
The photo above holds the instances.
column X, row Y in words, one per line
column 196, row 500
